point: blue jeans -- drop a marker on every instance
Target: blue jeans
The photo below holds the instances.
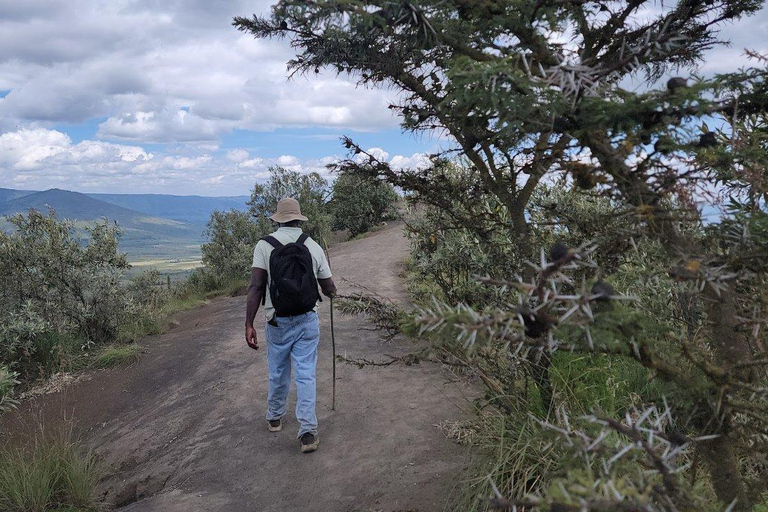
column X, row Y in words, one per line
column 294, row 339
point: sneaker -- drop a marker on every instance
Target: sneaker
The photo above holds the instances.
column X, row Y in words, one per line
column 275, row 425
column 309, row 442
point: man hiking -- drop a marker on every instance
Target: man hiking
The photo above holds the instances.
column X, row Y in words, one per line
column 287, row 268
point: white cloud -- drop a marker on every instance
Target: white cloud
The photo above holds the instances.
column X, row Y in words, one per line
column 172, row 71
column 41, row 158
column 415, row 161
column 237, row 155
column 34, row 149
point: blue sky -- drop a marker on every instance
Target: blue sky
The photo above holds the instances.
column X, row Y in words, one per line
column 165, row 96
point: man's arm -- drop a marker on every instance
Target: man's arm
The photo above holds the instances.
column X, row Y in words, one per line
column 256, row 290
column 328, row 287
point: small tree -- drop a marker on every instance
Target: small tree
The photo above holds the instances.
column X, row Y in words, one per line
column 233, row 234
column 228, row 254
column 360, row 203
column 310, row 190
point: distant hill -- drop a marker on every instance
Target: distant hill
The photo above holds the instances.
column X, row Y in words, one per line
column 190, row 209
column 143, row 235
column 155, row 226
column 7, row 194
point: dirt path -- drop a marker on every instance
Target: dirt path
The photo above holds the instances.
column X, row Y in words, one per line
column 184, row 429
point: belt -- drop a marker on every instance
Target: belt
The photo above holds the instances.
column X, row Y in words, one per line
column 277, row 315
column 273, row 322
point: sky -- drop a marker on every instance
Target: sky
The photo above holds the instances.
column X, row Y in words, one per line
column 165, row 96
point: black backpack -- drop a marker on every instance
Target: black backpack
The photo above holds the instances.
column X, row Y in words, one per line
column 293, row 285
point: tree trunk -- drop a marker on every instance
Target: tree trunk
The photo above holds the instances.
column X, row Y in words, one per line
column 540, row 374
column 729, row 340
column 732, row 347
column 724, row 472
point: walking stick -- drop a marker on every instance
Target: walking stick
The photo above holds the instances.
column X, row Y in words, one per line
column 333, row 349
column 333, row 337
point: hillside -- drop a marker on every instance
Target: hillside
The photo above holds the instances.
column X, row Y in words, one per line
column 189, row 209
column 8, row 194
column 143, row 235
column 156, row 226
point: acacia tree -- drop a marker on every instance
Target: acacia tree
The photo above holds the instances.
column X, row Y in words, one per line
column 505, row 79
column 527, row 89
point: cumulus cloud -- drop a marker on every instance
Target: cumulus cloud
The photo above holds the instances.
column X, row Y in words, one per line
column 415, row 161
column 40, row 158
column 176, row 75
column 237, row 155
column 35, row 149
column 171, row 71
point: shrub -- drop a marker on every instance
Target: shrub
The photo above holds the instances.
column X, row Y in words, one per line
column 65, row 283
column 360, row 203
column 228, row 252
column 7, row 383
column 63, row 295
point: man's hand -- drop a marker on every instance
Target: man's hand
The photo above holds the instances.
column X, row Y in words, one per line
column 328, row 287
column 250, row 337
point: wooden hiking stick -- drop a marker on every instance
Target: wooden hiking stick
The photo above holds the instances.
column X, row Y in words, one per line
column 333, row 337
column 333, row 349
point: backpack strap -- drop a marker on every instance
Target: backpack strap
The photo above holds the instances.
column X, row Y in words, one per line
column 272, row 241
column 276, row 244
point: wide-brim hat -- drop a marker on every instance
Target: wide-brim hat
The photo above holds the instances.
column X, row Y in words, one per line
column 288, row 209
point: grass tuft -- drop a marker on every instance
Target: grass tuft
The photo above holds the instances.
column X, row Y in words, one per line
column 53, row 473
column 509, row 450
column 117, row 355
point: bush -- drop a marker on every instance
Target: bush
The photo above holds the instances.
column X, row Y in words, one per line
column 232, row 235
column 360, row 203
column 63, row 295
column 46, row 272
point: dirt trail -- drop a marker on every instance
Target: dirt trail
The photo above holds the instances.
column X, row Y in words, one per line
column 184, row 429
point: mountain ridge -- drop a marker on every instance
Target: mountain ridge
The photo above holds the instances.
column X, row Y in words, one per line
column 143, row 235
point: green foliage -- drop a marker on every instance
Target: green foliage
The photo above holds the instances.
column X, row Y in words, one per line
column 53, row 473
column 63, row 295
column 228, row 253
column 310, row 190
column 450, row 247
column 65, row 284
column 361, row 203
column 512, row 452
column 7, row 383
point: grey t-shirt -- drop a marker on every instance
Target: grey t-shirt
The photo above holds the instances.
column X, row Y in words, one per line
column 284, row 235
